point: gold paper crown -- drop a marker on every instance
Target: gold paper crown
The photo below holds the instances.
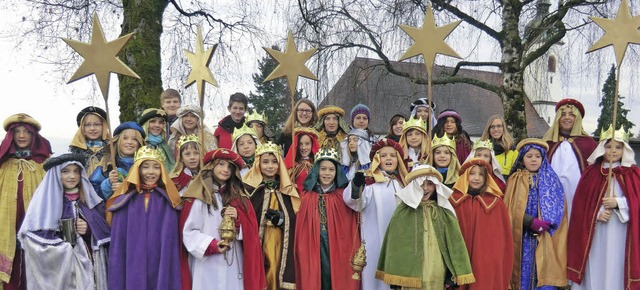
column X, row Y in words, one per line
column 244, row 130
column 327, row 153
column 146, row 152
column 308, row 130
column 621, row 134
column 268, row 147
column 414, row 123
column 444, row 141
column 188, row 138
column 483, row 144
column 255, row 116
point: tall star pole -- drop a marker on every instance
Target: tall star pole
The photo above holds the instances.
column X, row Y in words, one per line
column 619, row 33
column 429, row 41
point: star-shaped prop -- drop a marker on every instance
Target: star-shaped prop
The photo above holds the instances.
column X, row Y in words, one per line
column 429, row 40
column 100, row 57
column 619, row 32
column 200, row 61
column 291, row 64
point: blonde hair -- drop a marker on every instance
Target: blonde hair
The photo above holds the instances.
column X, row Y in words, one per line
column 506, row 141
column 293, row 117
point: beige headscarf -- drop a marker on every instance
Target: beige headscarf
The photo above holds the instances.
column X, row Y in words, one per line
column 554, row 131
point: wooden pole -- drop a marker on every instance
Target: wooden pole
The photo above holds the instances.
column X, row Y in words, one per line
column 613, row 126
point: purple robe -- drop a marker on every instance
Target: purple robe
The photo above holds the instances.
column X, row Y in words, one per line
column 144, row 251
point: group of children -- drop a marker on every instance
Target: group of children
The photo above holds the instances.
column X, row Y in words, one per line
column 167, row 203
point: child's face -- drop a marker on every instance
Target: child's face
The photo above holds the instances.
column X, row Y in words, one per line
column 415, row 138
column 304, row 146
column 567, row 119
column 422, row 113
column 327, row 173
column 22, row 138
column 70, row 176
column 150, row 172
column 388, row 159
column 171, row 105
column 428, row 188
column 483, row 153
column 442, row 156
column 304, row 113
column 156, row 125
column 353, row 144
column 532, row 160
column 361, row 121
column 236, row 110
column 259, row 128
column 92, row 127
column 246, row 146
column 450, row 126
column 191, row 157
column 189, row 121
column 127, row 143
column 477, row 178
column 268, row 166
column 222, row 171
column 331, row 123
column 397, row 127
column 613, row 151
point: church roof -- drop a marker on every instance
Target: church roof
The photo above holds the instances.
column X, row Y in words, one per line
column 367, row 81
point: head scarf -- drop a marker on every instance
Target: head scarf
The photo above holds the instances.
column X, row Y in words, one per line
column 290, row 159
column 375, row 171
column 254, row 177
column 340, row 180
column 554, row 132
column 328, row 111
column 412, row 194
column 179, row 165
column 462, row 184
column 454, row 165
column 497, row 168
column 364, row 147
column 424, row 103
column 252, row 133
column 628, row 155
column 40, row 148
column 424, row 148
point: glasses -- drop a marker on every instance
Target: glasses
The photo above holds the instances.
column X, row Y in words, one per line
column 495, row 127
column 91, row 125
column 304, row 111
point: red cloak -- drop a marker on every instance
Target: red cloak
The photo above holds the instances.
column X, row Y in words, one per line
column 344, row 240
column 586, row 203
column 582, row 146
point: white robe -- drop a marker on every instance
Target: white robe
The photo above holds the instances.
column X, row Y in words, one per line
column 566, row 165
column 211, row 272
column 378, row 204
column 605, row 266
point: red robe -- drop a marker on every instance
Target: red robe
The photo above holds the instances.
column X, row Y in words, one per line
column 223, row 135
column 586, row 203
column 582, row 146
column 484, row 223
column 344, row 240
column 182, row 180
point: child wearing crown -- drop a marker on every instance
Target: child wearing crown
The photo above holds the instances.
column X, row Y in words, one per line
column 485, row 226
column 144, row 221
column 216, row 203
column 276, row 202
column 484, row 149
column 355, row 152
column 299, row 159
column 259, row 123
column 188, row 163
column 245, row 142
column 443, row 158
column 423, row 247
column 415, row 142
column 326, row 230
column 373, row 194
column 603, row 229
column 537, row 207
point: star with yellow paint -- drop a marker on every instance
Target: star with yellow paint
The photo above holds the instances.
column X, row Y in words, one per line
column 619, row 32
column 429, row 40
column 200, row 61
column 291, row 64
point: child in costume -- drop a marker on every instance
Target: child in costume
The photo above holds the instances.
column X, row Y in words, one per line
column 189, row 123
column 303, row 116
column 154, row 123
column 443, row 158
column 450, row 124
column 484, row 150
column 423, row 244
column 92, row 137
column 245, row 142
column 327, row 234
column 485, row 226
column 299, row 159
column 420, row 110
column 536, row 204
column 603, row 228
column 503, row 145
column 259, row 123
column 127, row 138
column 276, row 202
column 360, row 119
column 22, row 152
column 189, row 162
column 373, row 195
column 415, row 142
column 355, row 152
column 215, row 196
column 331, row 128
column 144, row 250
column 65, row 195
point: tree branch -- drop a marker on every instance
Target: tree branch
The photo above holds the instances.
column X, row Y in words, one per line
column 474, row 63
column 467, row 18
column 202, row 13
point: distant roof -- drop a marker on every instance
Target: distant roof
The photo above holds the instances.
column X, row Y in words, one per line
column 367, row 81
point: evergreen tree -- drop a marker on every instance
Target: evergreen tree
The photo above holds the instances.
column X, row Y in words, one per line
column 606, row 115
column 271, row 98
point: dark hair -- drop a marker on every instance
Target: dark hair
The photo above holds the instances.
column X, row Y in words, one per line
column 298, row 157
column 234, row 188
column 393, row 121
column 438, row 130
column 238, row 98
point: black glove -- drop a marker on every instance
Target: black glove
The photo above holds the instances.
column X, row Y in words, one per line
column 276, row 217
column 358, row 179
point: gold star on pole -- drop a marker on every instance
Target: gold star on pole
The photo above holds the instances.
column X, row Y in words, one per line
column 200, row 61
column 429, row 40
column 619, row 32
column 100, row 57
column 291, row 64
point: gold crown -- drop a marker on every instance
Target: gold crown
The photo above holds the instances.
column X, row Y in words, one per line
column 268, row 147
column 414, row 123
column 244, row 130
column 483, row 144
column 444, row 141
column 187, row 138
column 620, row 134
column 146, row 152
column 308, row 130
column 255, row 116
column 327, row 153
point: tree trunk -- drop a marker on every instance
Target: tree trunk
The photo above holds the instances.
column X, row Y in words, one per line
column 142, row 55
